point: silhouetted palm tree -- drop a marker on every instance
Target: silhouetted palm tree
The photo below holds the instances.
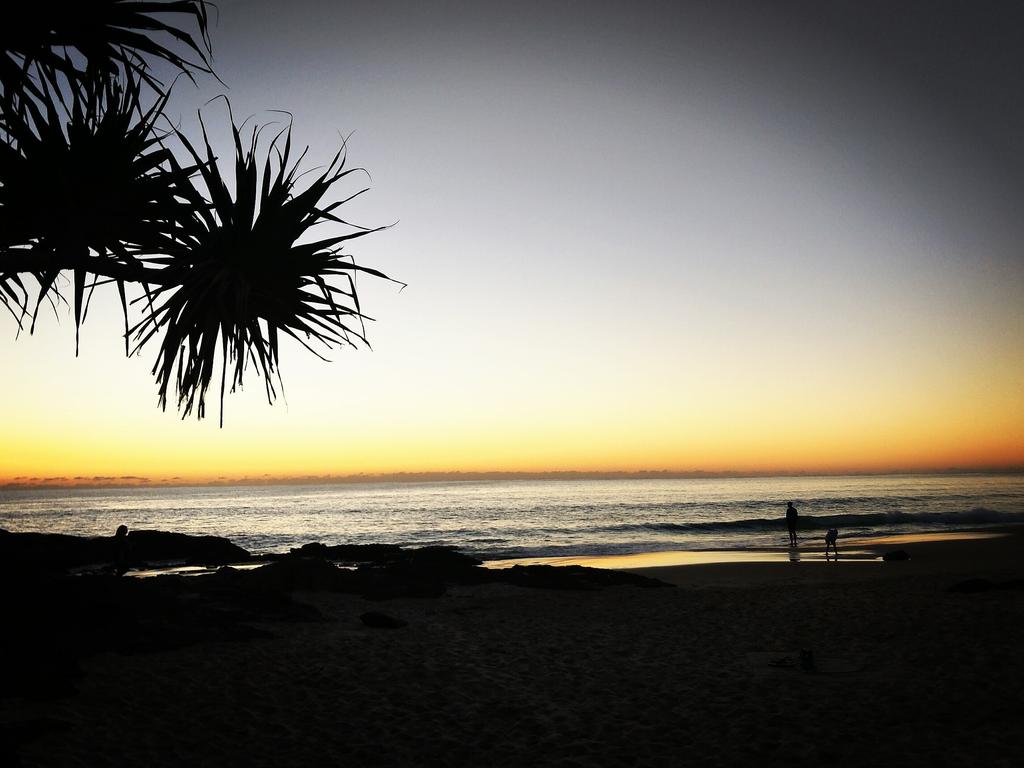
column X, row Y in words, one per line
column 90, row 187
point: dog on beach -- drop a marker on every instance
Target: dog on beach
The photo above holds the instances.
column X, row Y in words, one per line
column 830, row 541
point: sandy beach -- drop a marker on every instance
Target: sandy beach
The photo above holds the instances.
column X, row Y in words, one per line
column 907, row 672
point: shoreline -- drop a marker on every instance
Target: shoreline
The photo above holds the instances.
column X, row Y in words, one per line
column 862, row 549
column 859, row 549
column 869, row 549
column 992, row 554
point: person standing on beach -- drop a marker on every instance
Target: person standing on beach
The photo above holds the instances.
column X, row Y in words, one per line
column 831, row 536
column 121, row 550
column 791, row 523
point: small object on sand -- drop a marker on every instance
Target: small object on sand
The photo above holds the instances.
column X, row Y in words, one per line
column 807, row 660
column 896, row 554
column 379, row 620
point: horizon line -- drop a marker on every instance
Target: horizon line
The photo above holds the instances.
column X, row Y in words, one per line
column 130, row 481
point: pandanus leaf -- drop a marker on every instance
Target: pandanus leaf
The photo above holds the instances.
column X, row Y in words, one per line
column 87, row 186
column 82, row 37
column 242, row 273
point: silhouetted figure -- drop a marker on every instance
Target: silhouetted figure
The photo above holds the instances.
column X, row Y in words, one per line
column 121, row 550
column 791, row 523
column 830, row 540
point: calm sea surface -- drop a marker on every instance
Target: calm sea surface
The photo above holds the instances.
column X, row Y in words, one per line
column 522, row 518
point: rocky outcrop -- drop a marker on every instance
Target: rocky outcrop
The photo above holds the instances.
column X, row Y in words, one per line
column 427, row 572
column 150, row 546
column 300, row 573
column 399, row 573
column 423, row 572
column 350, row 554
column 384, row 570
column 35, row 552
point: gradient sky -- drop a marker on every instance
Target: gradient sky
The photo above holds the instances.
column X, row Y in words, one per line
column 684, row 236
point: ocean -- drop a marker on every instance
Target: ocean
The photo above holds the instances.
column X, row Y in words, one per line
column 532, row 518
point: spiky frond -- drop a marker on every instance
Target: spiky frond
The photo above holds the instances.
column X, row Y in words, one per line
column 89, row 187
column 85, row 186
column 243, row 272
column 106, row 35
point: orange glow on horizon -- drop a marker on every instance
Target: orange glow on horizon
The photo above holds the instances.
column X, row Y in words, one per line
column 832, row 420
column 297, row 456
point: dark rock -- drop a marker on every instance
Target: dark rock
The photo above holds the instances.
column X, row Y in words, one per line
column 896, row 554
column 194, row 550
column 382, row 621
column 40, row 552
column 423, row 572
column 36, row 552
column 443, row 562
column 385, row 571
column 300, row 573
column 348, row 553
column 313, row 549
column 972, row 585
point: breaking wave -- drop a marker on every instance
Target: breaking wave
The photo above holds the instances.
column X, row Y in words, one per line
column 976, row 516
